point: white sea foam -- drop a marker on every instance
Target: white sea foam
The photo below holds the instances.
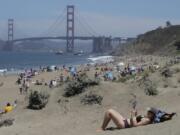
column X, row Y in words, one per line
column 101, row 59
column 3, row 70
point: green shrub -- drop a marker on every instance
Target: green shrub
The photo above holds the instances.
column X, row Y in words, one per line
column 126, row 78
column 91, row 99
column 165, row 85
column 38, row 100
column 150, row 88
column 177, row 44
column 178, row 80
column 177, row 70
column 122, row 79
column 79, row 85
column 6, row 122
column 145, row 74
column 167, row 73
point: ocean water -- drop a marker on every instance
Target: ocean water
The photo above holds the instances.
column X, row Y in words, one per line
column 26, row 60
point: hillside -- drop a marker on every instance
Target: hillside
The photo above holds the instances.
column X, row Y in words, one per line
column 161, row 41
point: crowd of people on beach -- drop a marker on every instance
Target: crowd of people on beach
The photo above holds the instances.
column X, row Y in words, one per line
column 110, row 71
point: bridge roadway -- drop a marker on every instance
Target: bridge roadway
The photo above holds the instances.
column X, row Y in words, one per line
column 62, row 38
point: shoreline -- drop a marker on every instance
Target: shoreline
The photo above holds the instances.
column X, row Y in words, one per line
column 89, row 60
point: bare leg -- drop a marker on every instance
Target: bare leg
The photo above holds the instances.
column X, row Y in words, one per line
column 106, row 121
column 116, row 118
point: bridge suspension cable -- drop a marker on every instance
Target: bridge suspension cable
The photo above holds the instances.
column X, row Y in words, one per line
column 18, row 29
column 81, row 25
column 86, row 24
column 57, row 28
column 81, row 28
column 3, row 31
column 56, row 23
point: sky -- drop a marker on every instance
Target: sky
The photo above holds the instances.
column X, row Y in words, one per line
column 117, row 18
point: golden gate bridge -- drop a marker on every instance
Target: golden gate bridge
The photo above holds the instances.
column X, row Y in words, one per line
column 99, row 42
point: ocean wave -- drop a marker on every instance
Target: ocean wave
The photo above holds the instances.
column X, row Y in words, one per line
column 101, row 59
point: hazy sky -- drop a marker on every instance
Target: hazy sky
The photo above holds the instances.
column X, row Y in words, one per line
column 106, row 17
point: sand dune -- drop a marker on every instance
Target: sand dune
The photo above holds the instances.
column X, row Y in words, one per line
column 73, row 118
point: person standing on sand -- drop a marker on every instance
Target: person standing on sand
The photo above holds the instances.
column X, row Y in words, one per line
column 61, row 78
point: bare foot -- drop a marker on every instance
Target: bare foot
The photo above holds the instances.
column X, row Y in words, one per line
column 99, row 130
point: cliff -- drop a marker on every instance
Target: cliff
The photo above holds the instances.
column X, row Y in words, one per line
column 161, row 41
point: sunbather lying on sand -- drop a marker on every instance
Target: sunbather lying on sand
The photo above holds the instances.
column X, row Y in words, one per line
column 9, row 107
column 134, row 121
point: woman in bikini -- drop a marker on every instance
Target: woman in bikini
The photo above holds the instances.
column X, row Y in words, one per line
column 122, row 122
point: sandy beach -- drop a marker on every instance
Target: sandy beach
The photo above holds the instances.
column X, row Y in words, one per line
column 71, row 117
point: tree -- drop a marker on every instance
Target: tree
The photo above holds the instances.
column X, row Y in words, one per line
column 168, row 24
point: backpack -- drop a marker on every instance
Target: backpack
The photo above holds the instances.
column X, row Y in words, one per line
column 161, row 116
